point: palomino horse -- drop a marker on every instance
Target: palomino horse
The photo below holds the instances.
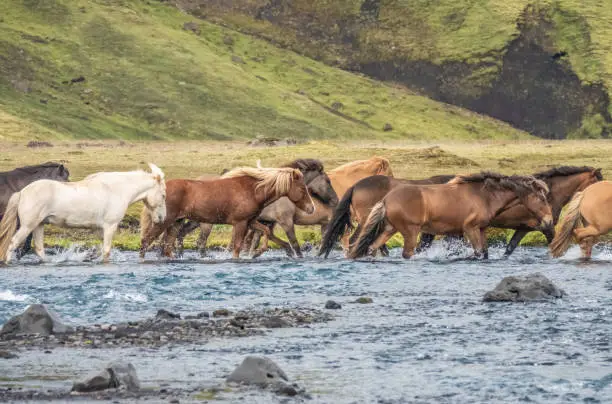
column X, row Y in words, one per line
column 466, row 204
column 359, row 200
column 237, row 198
column 282, row 211
column 587, row 217
column 15, row 180
column 563, row 183
column 99, row 201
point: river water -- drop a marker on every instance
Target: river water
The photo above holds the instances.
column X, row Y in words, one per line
column 426, row 338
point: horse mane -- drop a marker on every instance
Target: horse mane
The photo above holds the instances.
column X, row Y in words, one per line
column 521, row 184
column 565, row 171
column 114, row 173
column 277, row 180
column 384, row 163
column 305, row 165
column 35, row 168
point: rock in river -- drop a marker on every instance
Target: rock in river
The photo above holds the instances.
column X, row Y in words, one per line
column 115, row 375
column 332, row 305
column 37, row 319
column 522, row 289
column 263, row 372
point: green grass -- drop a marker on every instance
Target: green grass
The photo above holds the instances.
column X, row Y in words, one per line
column 148, row 78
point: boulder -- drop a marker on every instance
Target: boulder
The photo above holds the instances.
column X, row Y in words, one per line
column 332, row 305
column 533, row 287
column 36, row 319
column 259, row 371
column 115, row 375
column 222, row 313
column 167, row 315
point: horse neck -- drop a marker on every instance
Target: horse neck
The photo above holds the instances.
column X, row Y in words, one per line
column 563, row 188
column 498, row 199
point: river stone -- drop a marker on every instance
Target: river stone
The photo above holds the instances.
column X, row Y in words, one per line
column 523, row 289
column 221, row 313
column 364, row 300
column 167, row 315
column 36, row 319
column 332, row 305
column 258, row 370
column 7, row 355
column 116, row 375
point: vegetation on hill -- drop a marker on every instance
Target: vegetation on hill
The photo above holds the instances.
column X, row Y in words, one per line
column 544, row 66
column 131, row 69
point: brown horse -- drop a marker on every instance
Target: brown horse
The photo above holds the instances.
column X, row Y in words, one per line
column 237, row 198
column 360, row 199
column 346, row 175
column 282, row 211
column 563, row 183
column 466, row 204
column 587, row 217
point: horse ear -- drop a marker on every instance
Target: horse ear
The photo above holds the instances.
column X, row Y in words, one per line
column 297, row 174
column 157, row 172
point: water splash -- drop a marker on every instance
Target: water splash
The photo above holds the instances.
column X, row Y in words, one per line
column 128, row 297
column 9, row 296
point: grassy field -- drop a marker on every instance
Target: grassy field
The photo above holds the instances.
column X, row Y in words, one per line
column 128, row 69
column 190, row 159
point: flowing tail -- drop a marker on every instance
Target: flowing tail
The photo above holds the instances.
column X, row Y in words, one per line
column 145, row 222
column 8, row 225
column 373, row 228
column 572, row 219
column 340, row 223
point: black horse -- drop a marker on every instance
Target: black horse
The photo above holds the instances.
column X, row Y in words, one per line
column 19, row 178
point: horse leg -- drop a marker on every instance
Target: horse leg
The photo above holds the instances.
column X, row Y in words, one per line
column 38, row 236
column 586, row 236
column 382, row 239
column 16, row 241
column 25, row 248
column 170, row 239
column 289, row 229
column 260, row 229
column 205, row 229
column 150, row 235
column 425, row 243
column 410, row 242
column 474, row 235
column 514, row 241
column 238, row 234
column 109, row 231
column 248, row 239
column 255, row 242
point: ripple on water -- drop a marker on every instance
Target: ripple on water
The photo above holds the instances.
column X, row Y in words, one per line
column 426, row 338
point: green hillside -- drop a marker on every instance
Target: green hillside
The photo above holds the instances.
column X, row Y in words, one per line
column 132, row 69
column 544, row 66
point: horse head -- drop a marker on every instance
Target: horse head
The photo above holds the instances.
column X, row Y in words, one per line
column 533, row 194
column 155, row 198
column 318, row 182
column 298, row 192
column 383, row 166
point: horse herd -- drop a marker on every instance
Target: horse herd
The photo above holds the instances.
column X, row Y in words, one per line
column 255, row 199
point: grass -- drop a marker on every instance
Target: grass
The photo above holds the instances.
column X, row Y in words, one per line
column 126, row 69
column 190, row 159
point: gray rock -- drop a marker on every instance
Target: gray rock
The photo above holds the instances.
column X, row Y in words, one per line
column 387, row 127
column 7, row 355
column 275, row 322
column 36, row 319
column 221, row 313
column 238, row 59
column 166, row 315
column 258, row 371
column 115, row 375
column 364, row 300
column 532, row 287
column 332, row 305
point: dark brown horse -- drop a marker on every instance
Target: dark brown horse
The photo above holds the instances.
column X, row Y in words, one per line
column 563, row 182
column 358, row 202
column 466, row 205
column 282, row 212
column 237, row 198
column 15, row 180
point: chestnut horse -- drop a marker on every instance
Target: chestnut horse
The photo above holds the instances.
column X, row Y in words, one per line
column 237, row 198
column 359, row 200
column 466, row 204
column 563, row 183
column 587, row 217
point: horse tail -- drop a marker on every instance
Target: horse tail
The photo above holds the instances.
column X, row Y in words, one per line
column 373, row 228
column 572, row 219
column 145, row 221
column 8, row 225
column 340, row 223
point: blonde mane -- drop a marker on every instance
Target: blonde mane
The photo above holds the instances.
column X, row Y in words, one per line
column 383, row 162
column 277, row 180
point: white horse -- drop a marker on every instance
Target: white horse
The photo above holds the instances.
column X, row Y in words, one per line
column 99, row 202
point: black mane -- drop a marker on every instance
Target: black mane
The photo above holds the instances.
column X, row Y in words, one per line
column 565, row 171
column 517, row 183
column 306, row 165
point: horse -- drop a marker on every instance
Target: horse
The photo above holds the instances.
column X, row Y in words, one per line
column 563, row 183
column 237, row 198
column 15, row 180
column 359, row 200
column 283, row 212
column 466, row 204
column 98, row 201
column 346, row 175
column 587, row 217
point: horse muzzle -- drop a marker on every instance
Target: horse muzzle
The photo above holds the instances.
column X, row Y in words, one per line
column 159, row 218
column 547, row 223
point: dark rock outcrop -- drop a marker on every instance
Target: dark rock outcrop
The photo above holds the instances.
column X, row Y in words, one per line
column 37, row 319
column 332, row 305
column 533, row 287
